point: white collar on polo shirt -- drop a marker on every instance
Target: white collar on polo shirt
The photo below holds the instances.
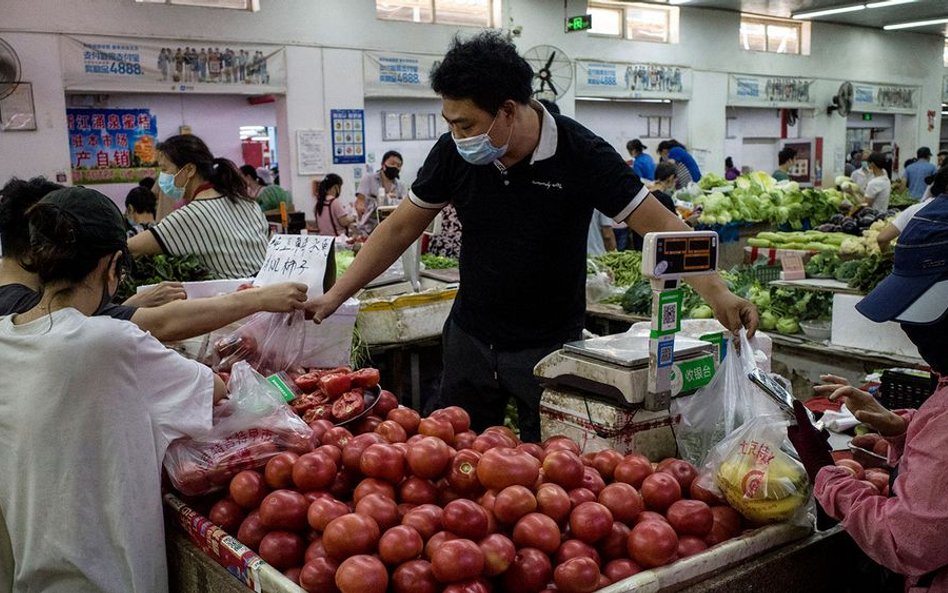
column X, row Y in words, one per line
column 546, row 147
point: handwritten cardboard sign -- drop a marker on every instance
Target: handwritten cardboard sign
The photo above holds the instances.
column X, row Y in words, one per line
column 299, row 258
column 792, row 267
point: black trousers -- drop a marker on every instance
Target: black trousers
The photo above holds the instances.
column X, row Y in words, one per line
column 481, row 379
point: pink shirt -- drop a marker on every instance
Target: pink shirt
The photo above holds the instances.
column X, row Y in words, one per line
column 907, row 533
column 328, row 221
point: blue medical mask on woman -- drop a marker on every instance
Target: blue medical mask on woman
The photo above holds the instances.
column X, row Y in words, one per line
column 166, row 183
column 479, row 150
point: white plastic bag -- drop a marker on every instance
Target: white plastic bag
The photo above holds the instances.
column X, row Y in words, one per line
column 250, row 427
column 719, row 408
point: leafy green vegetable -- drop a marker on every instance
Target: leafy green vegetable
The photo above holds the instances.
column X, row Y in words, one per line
column 638, row 299
column 153, row 269
column 846, row 270
column 788, row 325
column 870, row 272
column 436, row 262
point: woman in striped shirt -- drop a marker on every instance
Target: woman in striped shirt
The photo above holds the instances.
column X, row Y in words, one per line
column 221, row 224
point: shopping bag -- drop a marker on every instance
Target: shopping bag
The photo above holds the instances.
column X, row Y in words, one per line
column 250, row 427
column 268, row 342
column 754, row 470
column 704, row 419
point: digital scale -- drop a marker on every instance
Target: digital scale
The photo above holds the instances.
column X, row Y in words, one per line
column 645, row 370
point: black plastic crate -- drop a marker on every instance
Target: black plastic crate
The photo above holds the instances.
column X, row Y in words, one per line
column 904, row 390
column 765, row 274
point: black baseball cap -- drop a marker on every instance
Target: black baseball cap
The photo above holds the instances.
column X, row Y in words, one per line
column 101, row 224
column 924, row 152
column 636, row 144
column 916, row 292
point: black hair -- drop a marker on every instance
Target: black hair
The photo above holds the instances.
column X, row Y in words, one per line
column 550, row 106
column 16, row 198
column 141, row 200
column 729, row 163
column 485, row 69
column 877, row 159
column 251, row 172
column 663, row 171
column 56, row 255
column 786, row 155
column 391, row 153
column 147, row 182
column 328, row 182
column 940, row 182
column 631, row 145
column 669, row 144
column 185, row 149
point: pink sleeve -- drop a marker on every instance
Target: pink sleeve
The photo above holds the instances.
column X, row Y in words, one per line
column 897, row 444
column 905, row 533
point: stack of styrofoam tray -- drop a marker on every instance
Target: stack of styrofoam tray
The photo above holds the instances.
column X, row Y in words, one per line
column 397, row 318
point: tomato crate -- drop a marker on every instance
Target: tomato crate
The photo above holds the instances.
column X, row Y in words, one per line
column 901, row 389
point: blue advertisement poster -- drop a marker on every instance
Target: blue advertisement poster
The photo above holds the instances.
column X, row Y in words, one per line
column 112, row 145
column 348, row 136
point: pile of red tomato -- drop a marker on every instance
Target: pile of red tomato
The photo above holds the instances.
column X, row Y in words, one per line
column 425, row 505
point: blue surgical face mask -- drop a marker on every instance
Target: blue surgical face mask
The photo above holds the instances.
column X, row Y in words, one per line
column 865, row 165
column 166, row 183
column 479, row 150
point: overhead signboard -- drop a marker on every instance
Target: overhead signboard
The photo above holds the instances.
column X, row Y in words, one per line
column 116, row 64
column 884, row 98
column 632, row 81
column 389, row 74
column 781, row 92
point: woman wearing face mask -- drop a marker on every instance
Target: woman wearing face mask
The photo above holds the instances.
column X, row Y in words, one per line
column 331, row 216
column 904, row 532
column 381, row 188
column 220, row 224
column 84, row 512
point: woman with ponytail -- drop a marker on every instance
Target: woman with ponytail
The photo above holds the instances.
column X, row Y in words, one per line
column 331, row 216
column 81, row 485
column 221, row 223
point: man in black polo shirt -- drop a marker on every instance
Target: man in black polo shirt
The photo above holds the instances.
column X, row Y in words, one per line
column 524, row 183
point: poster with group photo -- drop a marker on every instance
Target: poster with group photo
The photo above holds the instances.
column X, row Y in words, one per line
column 112, row 145
column 146, row 65
column 646, row 81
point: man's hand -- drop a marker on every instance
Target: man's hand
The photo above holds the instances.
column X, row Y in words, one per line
column 869, row 411
column 320, row 308
column 281, row 298
column 734, row 312
column 161, row 294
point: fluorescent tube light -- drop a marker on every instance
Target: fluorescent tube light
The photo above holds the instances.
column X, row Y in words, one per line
column 915, row 24
column 817, row 13
column 886, row 3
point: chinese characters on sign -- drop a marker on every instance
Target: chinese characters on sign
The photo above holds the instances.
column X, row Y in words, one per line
column 606, row 79
column 111, row 145
column 296, row 258
column 348, row 140
column 397, row 75
column 869, row 97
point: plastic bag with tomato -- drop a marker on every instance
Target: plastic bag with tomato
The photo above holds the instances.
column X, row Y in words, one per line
column 250, row 427
column 722, row 406
column 269, row 342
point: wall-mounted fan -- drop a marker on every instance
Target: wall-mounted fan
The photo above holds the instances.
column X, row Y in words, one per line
column 552, row 71
column 9, row 69
column 843, row 100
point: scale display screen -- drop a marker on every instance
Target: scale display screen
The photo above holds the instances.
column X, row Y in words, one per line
column 671, row 255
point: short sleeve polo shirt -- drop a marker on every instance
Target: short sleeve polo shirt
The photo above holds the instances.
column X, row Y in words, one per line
column 523, row 257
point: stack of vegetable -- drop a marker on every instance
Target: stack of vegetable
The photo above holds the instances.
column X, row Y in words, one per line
column 437, row 262
column 154, row 269
column 780, row 309
column 862, row 220
column 800, row 240
column 757, row 197
column 625, row 266
column 862, row 274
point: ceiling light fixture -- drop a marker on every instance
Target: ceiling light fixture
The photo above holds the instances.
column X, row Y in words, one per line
column 886, row 3
column 817, row 13
column 915, row 24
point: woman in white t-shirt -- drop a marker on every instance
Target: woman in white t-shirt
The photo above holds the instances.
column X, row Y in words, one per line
column 221, row 224
column 88, row 406
column 879, row 188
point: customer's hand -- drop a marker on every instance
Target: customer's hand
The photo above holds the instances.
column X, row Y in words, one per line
column 281, row 298
column 810, row 443
column 869, row 411
column 830, row 384
column 158, row 295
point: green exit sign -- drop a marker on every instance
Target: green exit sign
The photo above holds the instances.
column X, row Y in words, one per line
column 866, row 117
column 579, row 23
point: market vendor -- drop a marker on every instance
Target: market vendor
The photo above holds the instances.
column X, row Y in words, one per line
column 381, row 188
column 81, row 487
column 524, row 183
column 221, row 224
column 175, row 319
column 905, row 532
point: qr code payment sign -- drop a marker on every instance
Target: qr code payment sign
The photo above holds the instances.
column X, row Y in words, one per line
column 669, row 316
column 666, row 354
